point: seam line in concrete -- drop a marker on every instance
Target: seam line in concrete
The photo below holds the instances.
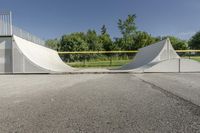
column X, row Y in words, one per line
column 168, row 93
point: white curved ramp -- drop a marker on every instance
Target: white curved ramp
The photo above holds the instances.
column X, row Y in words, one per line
column 151, row 54
column 161, row 57
column 29, row 57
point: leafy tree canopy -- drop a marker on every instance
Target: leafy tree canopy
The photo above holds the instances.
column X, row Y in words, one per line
column 132, row 39
column 103, row 30
column 52, row 43
column 142, row 39
column 127, row 27
column 73, row 42
column 194, row 42
column 93, row 41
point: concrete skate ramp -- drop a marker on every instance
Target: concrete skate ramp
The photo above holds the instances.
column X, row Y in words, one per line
column 161, row 57
column 33, row 58
column 152, row 54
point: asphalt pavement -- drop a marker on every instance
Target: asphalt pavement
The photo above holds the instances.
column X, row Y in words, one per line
column 100, row 103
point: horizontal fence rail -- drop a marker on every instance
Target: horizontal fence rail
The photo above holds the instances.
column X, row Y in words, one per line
column 97, row 52
column 187, row 51
column 118, row 52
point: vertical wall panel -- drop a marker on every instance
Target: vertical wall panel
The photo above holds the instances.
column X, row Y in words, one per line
column 5, row 24
column 5, row 55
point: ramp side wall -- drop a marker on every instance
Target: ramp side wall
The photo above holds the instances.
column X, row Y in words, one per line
column 42, row 57
column 5, row 54
column 21, row 64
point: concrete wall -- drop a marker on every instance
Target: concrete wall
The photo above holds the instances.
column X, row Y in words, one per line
column 165, row 66
column 5, row 55
column 187, row 65
column 32, row 58
column 175, row 65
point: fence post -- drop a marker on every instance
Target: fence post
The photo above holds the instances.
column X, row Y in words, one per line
column 189, row 55
column 110, row 60
column 84, row 62
column 179, row 65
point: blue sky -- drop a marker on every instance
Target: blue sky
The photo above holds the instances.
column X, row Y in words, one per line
column 53, row 18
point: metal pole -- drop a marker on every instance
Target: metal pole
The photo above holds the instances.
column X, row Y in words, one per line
column 11, row 27
column 179, row 65
column 84, row 60
column 189, row 56
column 110, row 60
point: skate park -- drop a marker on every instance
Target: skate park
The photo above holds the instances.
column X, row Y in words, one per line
column 157, row 91
column 23, row 55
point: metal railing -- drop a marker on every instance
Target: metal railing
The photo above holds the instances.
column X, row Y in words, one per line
column 8, row 29
column 27, row 36
column 5, row 23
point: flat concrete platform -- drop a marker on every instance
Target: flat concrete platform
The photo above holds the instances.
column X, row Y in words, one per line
column 100, row 103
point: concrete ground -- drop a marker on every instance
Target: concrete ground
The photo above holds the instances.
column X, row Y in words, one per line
column 119, row 103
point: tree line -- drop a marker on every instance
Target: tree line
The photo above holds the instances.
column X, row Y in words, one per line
column 131, row 39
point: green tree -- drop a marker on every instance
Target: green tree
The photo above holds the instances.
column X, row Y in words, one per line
column 93, row 41
column 52, row 43
column 128, row 29
column 73, row 42
column 107, row 43
column 103, row 30
column 158, row 38
column 105, row 40
column 142, row 39
column 194, row 42
column 118, row 43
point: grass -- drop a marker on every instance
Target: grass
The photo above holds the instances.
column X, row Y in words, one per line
column 108, row 64
column 196, row 58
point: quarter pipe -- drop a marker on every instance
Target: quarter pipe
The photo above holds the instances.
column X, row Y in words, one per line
column 32, row 58
column 161, row 57
column 21, row 56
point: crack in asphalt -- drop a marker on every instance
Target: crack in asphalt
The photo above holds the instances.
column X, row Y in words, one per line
column 194, row 108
